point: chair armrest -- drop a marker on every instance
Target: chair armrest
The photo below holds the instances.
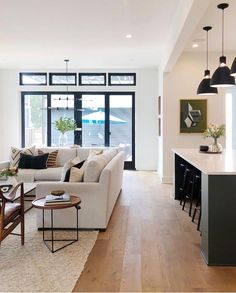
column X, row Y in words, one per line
column 14, row 193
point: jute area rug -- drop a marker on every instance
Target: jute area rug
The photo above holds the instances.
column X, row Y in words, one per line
column 32, row 267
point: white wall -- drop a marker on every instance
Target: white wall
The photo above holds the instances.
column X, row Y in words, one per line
column 182, row 83
column 145, row 119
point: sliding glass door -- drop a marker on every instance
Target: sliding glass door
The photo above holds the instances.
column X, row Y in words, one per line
column 93, row 120
column 107, row 119
column 121, row 123
column 102, row 119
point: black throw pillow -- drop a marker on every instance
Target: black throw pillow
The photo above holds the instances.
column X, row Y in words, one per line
column 33, row 162
column 67, row 177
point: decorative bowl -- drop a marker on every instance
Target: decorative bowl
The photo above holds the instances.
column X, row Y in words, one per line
column 57, row 192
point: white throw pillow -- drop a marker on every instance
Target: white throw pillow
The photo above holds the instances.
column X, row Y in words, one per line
column 76, row 174
column 93, row 168
column 76, row 160
column 15, row 155
column 66, row 167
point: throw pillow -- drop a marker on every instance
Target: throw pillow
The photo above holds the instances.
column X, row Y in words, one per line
column 15, row 155
column 66, row 167
column 73, row 175
column 33, row 162
column 52, row 158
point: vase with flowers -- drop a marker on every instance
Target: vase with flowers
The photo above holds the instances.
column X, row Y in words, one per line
column 9, row 175
column 215, row 131
column 63, row 125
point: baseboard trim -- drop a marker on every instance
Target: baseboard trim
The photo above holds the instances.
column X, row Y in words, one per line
column 167, row 180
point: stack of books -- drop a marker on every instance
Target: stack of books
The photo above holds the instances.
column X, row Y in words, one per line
column 53, row 199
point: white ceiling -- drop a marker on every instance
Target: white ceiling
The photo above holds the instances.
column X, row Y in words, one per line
column 212, row 18
column 91, row 33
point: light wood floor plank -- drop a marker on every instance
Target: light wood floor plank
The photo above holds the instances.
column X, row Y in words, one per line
column 150, row 245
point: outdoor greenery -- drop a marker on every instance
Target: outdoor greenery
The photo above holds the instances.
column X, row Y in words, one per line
column 64, row 124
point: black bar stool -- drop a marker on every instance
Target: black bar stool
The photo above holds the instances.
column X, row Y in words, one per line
column 185, row 184
column 194, row 187
column 198, row 209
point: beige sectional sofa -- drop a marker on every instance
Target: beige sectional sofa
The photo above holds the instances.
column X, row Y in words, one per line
column 99, row 191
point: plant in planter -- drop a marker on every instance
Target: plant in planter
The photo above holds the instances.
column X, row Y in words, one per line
column 9, row 175
column 215, row 131
column 63, row 125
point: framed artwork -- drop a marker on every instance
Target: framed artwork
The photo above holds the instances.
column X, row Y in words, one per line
column 193, row 116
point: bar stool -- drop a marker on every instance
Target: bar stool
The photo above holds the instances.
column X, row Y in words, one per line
column 198, row 209
column 194, row 187
column 185, row 184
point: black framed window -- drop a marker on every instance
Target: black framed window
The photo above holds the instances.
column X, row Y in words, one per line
column 92, row 78
column 102, row 119
column 33, row 78
column 59, row 78
column 121, row 79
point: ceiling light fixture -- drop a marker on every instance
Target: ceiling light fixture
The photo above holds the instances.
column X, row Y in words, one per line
column 233, row 68
column 195, row 45
column 128, row 36
column 204, row 87
column 222, row 77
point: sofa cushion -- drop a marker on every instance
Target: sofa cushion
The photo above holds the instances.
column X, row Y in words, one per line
column 15, row 155
column 65, row 168
column 33, row 162
column 52, row 158
column 109, row 155
column 64, row 154
column 93, row 168
column 26, row 175
column 75, row 173
column 49, row 174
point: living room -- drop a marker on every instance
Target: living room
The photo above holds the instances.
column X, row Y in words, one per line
column 120, row 71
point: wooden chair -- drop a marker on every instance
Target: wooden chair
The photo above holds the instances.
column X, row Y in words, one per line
column 12, row 213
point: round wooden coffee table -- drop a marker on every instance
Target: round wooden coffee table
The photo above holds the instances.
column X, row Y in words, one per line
column 40, row 204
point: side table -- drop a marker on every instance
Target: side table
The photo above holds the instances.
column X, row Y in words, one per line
column 40, row 204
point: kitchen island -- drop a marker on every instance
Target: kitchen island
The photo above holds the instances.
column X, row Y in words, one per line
column 218, row 201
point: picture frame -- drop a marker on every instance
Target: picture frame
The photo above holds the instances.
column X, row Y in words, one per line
column 193, row 116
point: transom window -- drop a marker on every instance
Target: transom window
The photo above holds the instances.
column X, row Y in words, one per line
column 62, row 79
column 92, row 78
column 121, row 79
column 33, row 78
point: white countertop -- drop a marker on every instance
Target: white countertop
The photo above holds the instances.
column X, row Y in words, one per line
column 211, row 164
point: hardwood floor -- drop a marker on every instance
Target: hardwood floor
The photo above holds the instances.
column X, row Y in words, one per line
column 150, row 245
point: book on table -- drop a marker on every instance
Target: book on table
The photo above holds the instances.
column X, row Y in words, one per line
column 52, row 199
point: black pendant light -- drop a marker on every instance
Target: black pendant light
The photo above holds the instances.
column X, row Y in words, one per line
column 222, row 77
column 204, row 88
column 233, row 68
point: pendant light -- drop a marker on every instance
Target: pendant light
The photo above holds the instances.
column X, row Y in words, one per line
column 222, row 77
column 204, row 88
column 233, row 68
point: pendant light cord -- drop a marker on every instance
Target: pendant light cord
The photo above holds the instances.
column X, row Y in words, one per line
column 207, row 51
column 223, row 32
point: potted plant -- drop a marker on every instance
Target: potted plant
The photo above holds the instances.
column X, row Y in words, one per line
column 215, row 131
column 63, row 125
column 9, row 175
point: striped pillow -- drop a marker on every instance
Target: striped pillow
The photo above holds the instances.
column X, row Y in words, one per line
column 52, row 158
column 15, row 155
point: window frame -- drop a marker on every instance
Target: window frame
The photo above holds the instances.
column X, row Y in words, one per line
column 129, row 165
column 110, row 74
column 51, row 74
column 81, row 74
column 32, row 74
